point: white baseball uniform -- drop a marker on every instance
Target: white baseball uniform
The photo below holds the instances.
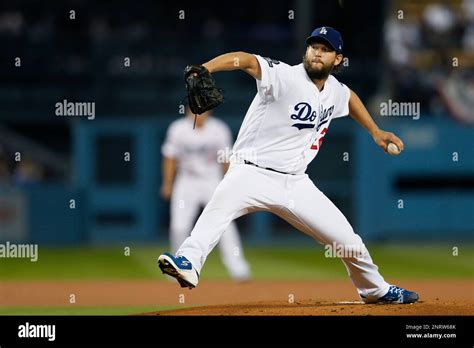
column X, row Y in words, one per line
column 198, row 173
column 283, row 130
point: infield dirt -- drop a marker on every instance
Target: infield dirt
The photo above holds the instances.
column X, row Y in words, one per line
column 335, row 297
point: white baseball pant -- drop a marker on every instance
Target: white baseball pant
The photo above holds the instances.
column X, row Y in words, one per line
column 189, row 195
column 295, row 198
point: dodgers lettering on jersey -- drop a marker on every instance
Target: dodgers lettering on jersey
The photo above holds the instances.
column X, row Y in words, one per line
column 288, row 118
column 197, row 150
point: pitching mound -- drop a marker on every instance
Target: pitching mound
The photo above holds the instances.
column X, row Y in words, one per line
column 309, row 307
column 449, row 297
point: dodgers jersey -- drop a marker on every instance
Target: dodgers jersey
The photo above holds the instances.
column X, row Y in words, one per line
column 288, row 118
column 199, row 152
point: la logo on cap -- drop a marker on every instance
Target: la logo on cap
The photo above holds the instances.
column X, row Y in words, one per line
column 323, row 31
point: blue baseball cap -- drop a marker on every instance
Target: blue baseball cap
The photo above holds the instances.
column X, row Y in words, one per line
column 329, row 35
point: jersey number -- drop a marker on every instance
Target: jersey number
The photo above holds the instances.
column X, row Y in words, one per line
column 318, row 142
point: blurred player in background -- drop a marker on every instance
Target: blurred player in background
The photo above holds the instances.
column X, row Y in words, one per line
column 194, row 161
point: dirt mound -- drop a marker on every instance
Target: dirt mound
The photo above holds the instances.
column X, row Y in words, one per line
column 309, row 307
column 447, row 297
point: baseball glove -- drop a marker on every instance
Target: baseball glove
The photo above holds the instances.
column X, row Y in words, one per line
column 203, row 95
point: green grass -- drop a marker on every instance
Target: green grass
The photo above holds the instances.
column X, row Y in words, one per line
column 82, row 310
column 305, row 262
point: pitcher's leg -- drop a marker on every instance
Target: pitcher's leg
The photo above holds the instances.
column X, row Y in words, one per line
column 320, row 218
column 232, row 253
column 234, row 197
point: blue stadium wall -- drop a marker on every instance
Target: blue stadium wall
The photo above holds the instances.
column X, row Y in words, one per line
column 425, row 194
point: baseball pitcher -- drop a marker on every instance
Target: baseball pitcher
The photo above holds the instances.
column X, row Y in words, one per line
column 281, row 134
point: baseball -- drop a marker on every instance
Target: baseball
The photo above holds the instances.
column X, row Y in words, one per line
column 393, row 149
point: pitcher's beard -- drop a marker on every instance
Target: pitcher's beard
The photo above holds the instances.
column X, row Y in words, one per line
column 321, row 74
